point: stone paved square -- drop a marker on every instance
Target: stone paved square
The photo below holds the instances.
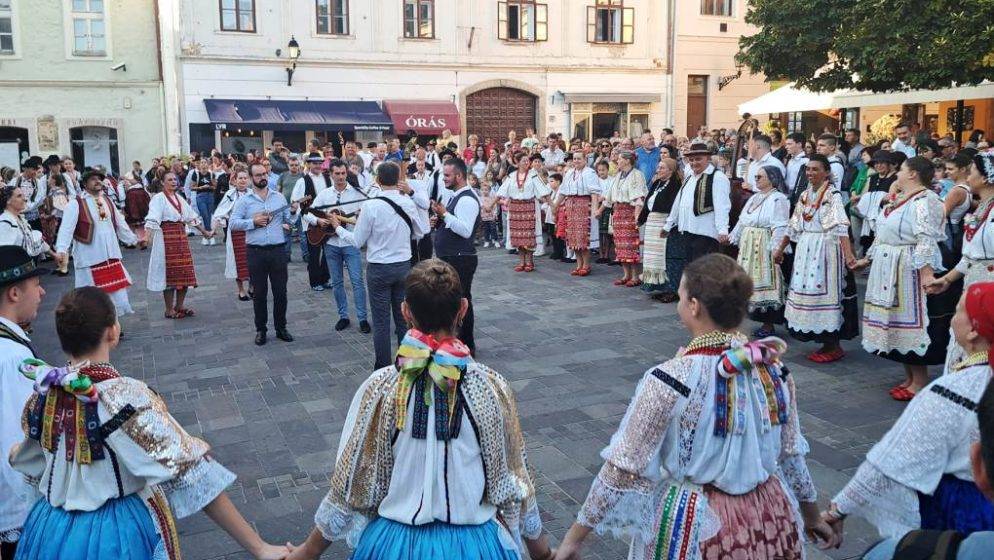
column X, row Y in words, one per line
column 573, row 349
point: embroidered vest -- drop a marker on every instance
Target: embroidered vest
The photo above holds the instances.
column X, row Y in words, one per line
column 703, row 194
column 85, row 225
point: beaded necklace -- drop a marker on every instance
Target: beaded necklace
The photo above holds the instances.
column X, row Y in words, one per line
column 809, row 211
column 101, row 208
column 975, row 359
column 972, row 224
column 712, row 343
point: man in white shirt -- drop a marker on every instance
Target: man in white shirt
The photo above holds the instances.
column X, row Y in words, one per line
column 761, row 157
column 28, row 182
column 796, row 178
column 367, row 156
column 339, row 253
column 20, row 297
column 904, row 141
column 552, row 154
column 386, row 226
column 828, row 146
column 305, row 192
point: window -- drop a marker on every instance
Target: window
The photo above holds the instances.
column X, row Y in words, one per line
column 795, row 121
column 237, row 15
column 609, row 21
column 522, row 20
column 419, row 19
column 717, row 7
column 95, row 145
column 89, row 28
column 6, row 27
column 333, row 17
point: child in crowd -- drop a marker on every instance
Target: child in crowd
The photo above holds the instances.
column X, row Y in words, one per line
column 549, row 224
column 488, row 216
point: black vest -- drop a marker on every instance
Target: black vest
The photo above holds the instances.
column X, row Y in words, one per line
column 450, row 244
column 9, row 334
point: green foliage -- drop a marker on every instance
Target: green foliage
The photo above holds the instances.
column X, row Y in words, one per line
column 871, row 45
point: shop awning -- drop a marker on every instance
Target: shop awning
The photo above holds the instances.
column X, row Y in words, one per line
column 577, row 97
column 273, row 114
column 424, row 117
column 790, row 98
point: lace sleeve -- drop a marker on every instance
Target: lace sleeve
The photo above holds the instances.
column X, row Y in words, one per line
column 928, row 221
column 197, row 488
column 793, row 448
column 889, row 505
column 833, row 216
column 794, row 471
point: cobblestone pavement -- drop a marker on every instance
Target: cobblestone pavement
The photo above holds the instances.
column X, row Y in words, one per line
column 573, row 348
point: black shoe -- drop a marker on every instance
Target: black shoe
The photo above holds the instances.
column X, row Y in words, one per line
column 512, row 252
column 568, row 260
column 342, row 324
column 284, row 335
column 260, row 338
column 364, row 327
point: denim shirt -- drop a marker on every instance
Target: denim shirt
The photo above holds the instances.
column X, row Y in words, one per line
column 251, row 204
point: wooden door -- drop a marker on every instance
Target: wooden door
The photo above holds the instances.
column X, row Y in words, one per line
column 491, row 113
column 697, row 104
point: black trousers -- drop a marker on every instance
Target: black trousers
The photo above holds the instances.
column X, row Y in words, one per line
column 421, row 250
column 465, row 266
column 267, row 265
column 700, row 245
column 7, row 550
column 317, row 266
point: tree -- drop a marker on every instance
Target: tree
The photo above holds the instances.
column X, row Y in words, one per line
column 871, row 45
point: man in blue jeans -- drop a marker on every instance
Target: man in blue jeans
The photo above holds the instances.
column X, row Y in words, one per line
column 338, row 252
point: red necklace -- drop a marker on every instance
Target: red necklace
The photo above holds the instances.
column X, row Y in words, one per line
column 174, row 202
column 973, row 224
column 809, row 211
column 891, row 207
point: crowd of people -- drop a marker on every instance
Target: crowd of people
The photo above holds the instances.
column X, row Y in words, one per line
column 707, row 462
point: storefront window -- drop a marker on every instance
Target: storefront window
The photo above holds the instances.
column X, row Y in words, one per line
column 240, row 142
column 639, row 123
column 581, row 127
column 95, row 145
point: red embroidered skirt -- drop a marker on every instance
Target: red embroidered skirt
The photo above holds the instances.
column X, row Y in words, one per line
column 136, row 206
column 521, row 220
column 561, row 221
column 760, row 524
column 110, row 276
column 179, row 259
column 241, row 257
column 626, row 233
column 577, row 222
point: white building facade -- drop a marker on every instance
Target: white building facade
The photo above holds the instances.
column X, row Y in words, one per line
column 369, row 68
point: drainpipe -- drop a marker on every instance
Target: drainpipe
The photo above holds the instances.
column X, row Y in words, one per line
column 670, row 47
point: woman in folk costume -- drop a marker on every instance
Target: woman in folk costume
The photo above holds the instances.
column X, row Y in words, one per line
column 579, row 192
column 761, row 227
column 977, row 261
column 235, row 258
column 899, row 322
column 919, row 475
column 659, row 201
column 170, row 266
column 625, row 197
column 14, row 229
column 523, row 191
column 431, row 463
column 136, row 202
column 113, row 468
column 821, row 299
column 708, row 462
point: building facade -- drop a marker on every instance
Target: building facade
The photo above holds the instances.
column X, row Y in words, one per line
column 80, row 78
column 579, row 67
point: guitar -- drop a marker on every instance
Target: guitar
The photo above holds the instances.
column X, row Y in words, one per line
column 318, row 235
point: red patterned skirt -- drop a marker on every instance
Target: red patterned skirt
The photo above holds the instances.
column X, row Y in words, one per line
column 110, row 276
column 626, row 233
column 179, row 259
column 577, row 222
column 241, row 256
column 521, row 220
column 561, row 221
column 760, row 524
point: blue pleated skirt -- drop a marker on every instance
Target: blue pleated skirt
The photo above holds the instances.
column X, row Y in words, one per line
column 384, row 539
column 956, row 505
column 120, row 530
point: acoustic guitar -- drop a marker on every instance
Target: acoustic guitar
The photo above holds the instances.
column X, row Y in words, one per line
column 318, row 235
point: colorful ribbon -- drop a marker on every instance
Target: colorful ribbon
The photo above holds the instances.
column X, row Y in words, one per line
column 763, row 357
column 68, row 378
column 746, row 357
column 443, row 360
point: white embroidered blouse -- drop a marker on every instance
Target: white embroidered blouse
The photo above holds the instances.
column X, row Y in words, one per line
column 531, row 188
column 771, row 212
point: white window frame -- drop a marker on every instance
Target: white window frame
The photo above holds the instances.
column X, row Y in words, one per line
column 15, row 36
column 331, row 18
column 732, row 7
column 70, row 32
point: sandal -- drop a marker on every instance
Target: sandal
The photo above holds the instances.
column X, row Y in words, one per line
column 826, row 357
column 633, row 283
column 897, row 389
column 519, row 268
column 529, row 268
column 574, row 272
column 184, row 312
column 904, row 395
column 620, row 282
column 173, row 315
column 583, row 272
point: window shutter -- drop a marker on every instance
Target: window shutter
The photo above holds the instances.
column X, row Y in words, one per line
column 502, row 20
column 541, row 22
column 628, row 25
column 591, row 24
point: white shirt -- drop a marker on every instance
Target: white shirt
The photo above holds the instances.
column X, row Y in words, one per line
column 900, row 146
column 14, row 230
column 105, row 244
column 580, row 183
column 463, row 217
column 711, row 224
column 334, row 196
column 385, row 234
column 838, row 170
column 32, row 189
column 553, row 157
column 760, row 163
column 532, row 188
column 300, row 189
column 15, row 389
column 795, row 166
column 421, row 196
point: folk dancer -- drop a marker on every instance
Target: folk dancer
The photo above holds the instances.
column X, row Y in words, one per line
column 170, row 266
column 659, row 202
column 523, row 191
column 53, row 184
column 579, row 196
column 698, row 223
column 821, row 298
column 466, row 493
column 15, row 230
column 235, row 258
column 95, row 229
column 625, row 197
column 977, row 262
column 264, row 215
column 741, row 490
column 919, row 475
column 136, row 201
column 339, row 253
column 386, row 226
column 305, row 191
column 112, row 486
column 20, row 295
column 456, row 225
column 28, row 182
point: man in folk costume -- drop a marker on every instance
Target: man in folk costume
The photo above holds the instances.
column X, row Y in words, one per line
column 698, row 223
column 94, row 227
column 305, row 191
column 29, row 184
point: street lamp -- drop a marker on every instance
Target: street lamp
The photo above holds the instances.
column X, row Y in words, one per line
column 725, row 80
column 293, row 52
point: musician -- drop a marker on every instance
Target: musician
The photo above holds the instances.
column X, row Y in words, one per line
column 339, row 252
column 385, row 227
column 305, row 191
column 264, row 216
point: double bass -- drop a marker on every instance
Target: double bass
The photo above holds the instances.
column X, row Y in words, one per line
column 740, row 191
